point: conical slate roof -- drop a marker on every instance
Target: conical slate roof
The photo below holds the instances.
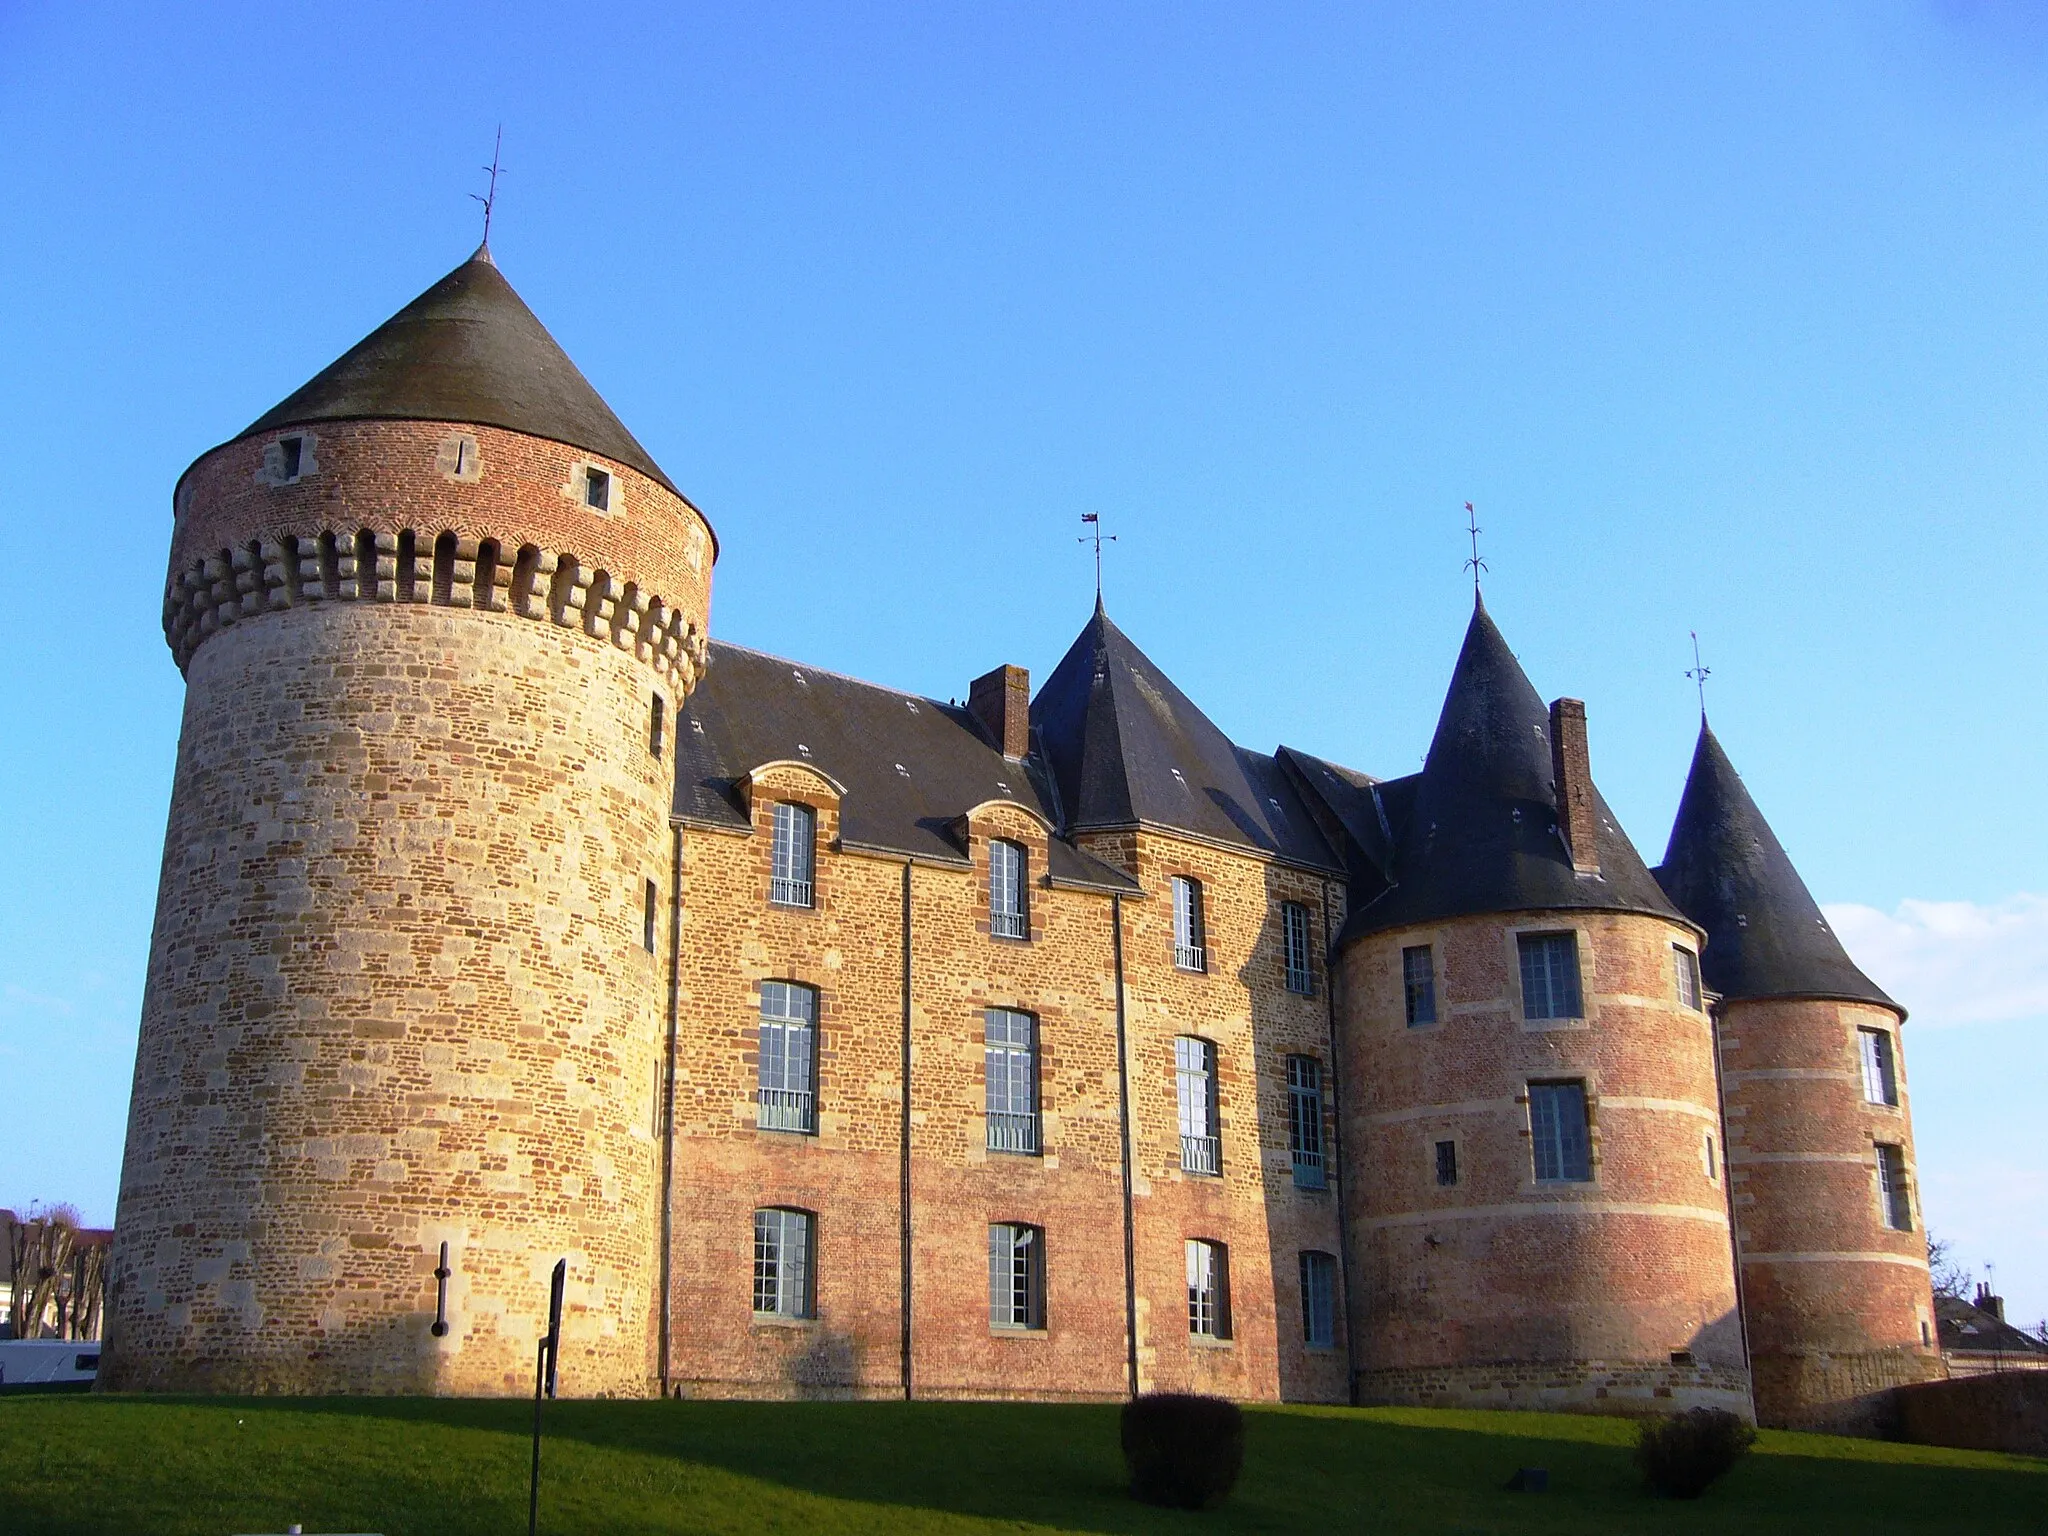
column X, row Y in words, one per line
column 1727, row 871
column 1479, row 832
column 468, row 350
column 1125, row 746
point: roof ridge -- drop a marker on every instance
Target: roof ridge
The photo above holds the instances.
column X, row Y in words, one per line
column 844, row 677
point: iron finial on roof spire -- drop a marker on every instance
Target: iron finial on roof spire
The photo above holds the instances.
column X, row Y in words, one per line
column 1095, row 535
column 489, row 199
column 1475, row 565
column 1699, row 673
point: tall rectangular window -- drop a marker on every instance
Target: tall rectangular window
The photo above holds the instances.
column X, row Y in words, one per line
column 1008, row 915
column 655, row 725
column 1891, row 1187
column 1190, row 953
column 1294, row 945
column 1010, row 1066
column 1194, row 1071
column 1305, row 1120
column 648, row 917
column 1418, row 984
column 1318, row 1300
column 782, row 1264
column 1550, row 975
column 1208, row 1289
column 1558, row 1133
column 1880, row 1070
column 793, row 855
column 1687, row 966
column 1016, row 1276
column 788, row 1057
column 1446, row 1164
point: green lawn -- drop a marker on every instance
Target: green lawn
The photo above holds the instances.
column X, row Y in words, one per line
column 213, row 1466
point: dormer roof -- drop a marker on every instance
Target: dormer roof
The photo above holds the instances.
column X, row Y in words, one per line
column 1477, row 830
column 1728, row 872
column 467, row 350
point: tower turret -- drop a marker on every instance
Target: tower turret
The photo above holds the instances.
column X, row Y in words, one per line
column 1820, row 1144
column 406, row 1010
column 1529, row 1076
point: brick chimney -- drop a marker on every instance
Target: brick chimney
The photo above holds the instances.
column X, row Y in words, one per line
column 1986, row 1302
column 1571, row 774
column 1001, row 701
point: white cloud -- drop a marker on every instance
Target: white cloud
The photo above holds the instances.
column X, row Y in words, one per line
column 1954, row 962
column 18, row 999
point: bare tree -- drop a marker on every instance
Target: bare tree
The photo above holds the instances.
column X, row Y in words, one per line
column 1951, row 1278
column 42, row 1247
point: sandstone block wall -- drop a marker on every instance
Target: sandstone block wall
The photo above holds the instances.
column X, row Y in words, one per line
column 1839, row 1304
column 1594, row 1293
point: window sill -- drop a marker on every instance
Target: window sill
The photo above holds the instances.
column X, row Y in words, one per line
column 773, row 1320
column 779, row 1130
column 792, row 906
column 1036, row 1155
column 1319, row 1349
column 1209, row 1341
column 997, row 1331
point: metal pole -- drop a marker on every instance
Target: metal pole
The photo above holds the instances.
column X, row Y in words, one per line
column 545, row 1358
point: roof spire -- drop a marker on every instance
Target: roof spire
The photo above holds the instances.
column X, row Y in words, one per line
column 1093, row 522
column 1699, row 673
column 1475, row 565
column 490, row 199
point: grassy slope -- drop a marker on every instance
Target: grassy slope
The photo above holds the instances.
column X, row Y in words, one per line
column 214, row 1466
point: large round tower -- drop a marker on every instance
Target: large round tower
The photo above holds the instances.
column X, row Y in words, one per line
column 436, row 614
column 1820, row 1142
column 1529, row 1081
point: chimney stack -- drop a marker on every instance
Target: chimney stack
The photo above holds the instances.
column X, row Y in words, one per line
column 1001, row 701
column 1571, row 773
column 1986, row 1302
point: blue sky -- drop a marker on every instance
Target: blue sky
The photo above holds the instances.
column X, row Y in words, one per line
column 1730, row 319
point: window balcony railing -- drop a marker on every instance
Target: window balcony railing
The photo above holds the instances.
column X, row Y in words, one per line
column 1201, row 1154
column 789, row 893
column 1009, row 925
column 1308, row 1170
column 1009, row 1132
column 1190, row 957
column 1300, row 981
column 785, row 1109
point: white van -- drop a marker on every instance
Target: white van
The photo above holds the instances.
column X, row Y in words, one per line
column 48, row 1362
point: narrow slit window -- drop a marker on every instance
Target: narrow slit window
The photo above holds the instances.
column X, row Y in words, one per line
column 1294, row 947
column 783, row 1264
column 1709, row 1157
column 1687, row 966
column 1880, row 1067
column 1891, row 1188
column 597, row 490
column 656, row 724
column 1190, row 953
column 1561, row 1141
column 1010, row 1066
column 1318, row 1300
column 1418, row 984
column 793, row 856
column 649, row 917
column 1009, row 915
column 1016, row 1276
column 1208, row 1289
column 1446, row 1164
column 1194, row 1063
column 1550, row 975
column 291, row 454
column 1305, row 1121
column 786, row 1072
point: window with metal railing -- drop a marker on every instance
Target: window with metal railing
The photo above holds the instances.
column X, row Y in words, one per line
column 1010, row 1070
column 793, row 857
column 1190, row 953
column 782, row 1264
column 1016, row 1276
column 1305, row 1120
column 1009, row 914
column 1194, row 1064
column 1208, row 1289
column 786, row 1091
column 1294, row 948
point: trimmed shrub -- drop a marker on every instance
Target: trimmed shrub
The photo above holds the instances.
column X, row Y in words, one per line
column 1183, row 1450
column 1683, row 1455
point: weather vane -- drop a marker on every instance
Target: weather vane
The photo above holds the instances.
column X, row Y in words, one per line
column 1699, row 673
column 489, row 200
column 1097, row 537
column 1475, row 565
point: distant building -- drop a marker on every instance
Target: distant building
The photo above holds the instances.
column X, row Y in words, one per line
column 1976, row 1340
column 855, row 1043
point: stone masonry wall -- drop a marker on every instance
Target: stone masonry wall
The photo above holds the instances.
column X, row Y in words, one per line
column 1839, row 1304
column 1537, row 1294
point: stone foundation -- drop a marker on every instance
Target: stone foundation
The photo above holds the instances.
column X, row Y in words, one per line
column 1626, row 1388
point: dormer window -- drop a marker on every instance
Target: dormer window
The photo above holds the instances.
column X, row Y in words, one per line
column 1190, row 953
column 1009, row 916
column 793, row 855
column 597, row 490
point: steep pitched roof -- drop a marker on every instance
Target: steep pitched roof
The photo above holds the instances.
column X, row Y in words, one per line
column 1727, row 871
column 909, row 766
column 1126, row 746
column 468, row 350
column 1479, row 833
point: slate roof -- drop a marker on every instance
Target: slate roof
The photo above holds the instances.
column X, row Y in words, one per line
column 1727, row 871
column 1962, row 1327
column 908, row 766
column 1126, row 747
column 1346, row 802
column 469, row 350
column 1478, row 832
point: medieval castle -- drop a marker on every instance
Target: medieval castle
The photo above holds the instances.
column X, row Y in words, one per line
column 847, row 1042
